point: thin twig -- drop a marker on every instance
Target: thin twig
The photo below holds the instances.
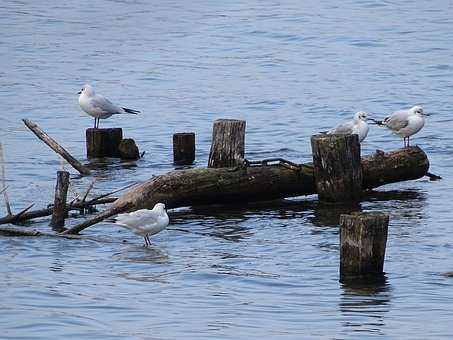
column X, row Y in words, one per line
column 88, row 190
column 112, row 192
column 5, row 195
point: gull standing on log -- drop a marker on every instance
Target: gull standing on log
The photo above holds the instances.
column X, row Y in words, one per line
column 145, row 222
column 405, row 122
column 98, row 106
column 358, row 126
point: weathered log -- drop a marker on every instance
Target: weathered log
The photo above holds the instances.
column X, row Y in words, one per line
column 183, row 148
column 103, row 142
column 337, row 169
column 4, row 187
column 363, row 238
column 182, row 188
column 128, row 149
column 228, row 143
column 56, row 147
column 60, row 211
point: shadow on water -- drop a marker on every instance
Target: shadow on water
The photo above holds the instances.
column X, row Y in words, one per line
column 366, row 300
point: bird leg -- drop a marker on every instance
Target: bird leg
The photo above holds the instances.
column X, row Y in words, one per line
column 146, row 241
column 408, row 141
column 149, row 241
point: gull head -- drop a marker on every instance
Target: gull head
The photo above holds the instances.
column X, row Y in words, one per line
column 159, row 207
column 86, row 90
column 361, row 115
column 418, row 110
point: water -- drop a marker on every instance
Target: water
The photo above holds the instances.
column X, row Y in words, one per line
column 289, row 69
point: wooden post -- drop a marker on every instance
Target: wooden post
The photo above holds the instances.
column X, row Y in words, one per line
column 60, row 211
column 56, row 147
column 183, row 148
column 337, row 169
column 128, row 149
column 228, row 143
column 103, row 142
column 363, row 238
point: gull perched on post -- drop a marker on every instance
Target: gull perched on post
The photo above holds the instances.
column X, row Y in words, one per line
column 98, row 106
column 405, row 122
column 145, row 222
column 358, row 125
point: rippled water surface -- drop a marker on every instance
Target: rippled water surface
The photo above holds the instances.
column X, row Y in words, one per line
column 288, row 68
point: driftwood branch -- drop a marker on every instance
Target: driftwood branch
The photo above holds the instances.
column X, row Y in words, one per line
column 56, row 147
column 29, row 215
column 182, row 188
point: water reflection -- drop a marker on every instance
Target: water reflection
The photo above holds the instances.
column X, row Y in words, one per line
column 364, row 303
column 142, row 254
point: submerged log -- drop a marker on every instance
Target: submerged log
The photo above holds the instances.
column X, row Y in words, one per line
column 60, row 211
column 128, row 149
column 337, row 169
column 182, row 188
column 56, row 147
column 228, row 143
column 103, row 142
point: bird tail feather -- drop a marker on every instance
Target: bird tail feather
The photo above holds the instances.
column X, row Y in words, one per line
column 134, row 112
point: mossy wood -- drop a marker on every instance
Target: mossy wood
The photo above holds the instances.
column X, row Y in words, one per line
column 182, row 188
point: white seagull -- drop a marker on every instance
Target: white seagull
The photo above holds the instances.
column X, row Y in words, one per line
column 98, row 106
column 145, row 222
column 405, row 122
column 358, row 125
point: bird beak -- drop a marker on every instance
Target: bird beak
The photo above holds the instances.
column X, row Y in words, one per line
column 426, row 114
column 79, row 92
column 372, row 119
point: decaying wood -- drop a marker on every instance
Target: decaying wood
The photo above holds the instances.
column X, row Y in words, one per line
column 128, row 149
column 363, row 238
column 56, row 147
column 182, row 188
column 60, row 211
column 183, row 148
column 103, row 142
column 337, row 169
column 228, row 143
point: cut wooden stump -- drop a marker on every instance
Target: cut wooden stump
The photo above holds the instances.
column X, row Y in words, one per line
column 128, row 149
column 60, row 211
column 182, row 188
column 103, row 142
column 228, row 143
column 56, row 147
column 183, row 148
column 337, row 168
column 363, row 238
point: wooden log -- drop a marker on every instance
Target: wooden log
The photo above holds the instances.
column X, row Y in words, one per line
column 228, row 143
column 103, row 142
column 128, row 149
column 337, row 168
column 182, row 188
column 363, row 238
column 4, row 187
column 56, row 147
column 60, row 211
column 183, row 148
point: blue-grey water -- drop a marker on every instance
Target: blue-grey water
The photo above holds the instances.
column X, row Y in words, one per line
column 290, row 69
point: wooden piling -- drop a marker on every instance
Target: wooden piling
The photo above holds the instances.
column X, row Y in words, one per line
column 183, row 148
column 228, row 143
column 337, row 169
column 363, row 238
column 128, row 149
column 60, row 211
column 103, row 142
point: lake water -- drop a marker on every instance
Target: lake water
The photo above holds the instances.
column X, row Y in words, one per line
column 290, row 69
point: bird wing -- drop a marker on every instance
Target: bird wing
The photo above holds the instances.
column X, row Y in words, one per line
column 137, row 219
column 105, row 105
column 397, row 120
column 343, row 129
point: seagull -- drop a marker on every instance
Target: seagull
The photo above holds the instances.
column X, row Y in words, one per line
column 98, row 106
column 145, row 222
column 358, row 125
column 405, row 122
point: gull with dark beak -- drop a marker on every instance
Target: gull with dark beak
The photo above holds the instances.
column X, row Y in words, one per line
column 98, row 106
